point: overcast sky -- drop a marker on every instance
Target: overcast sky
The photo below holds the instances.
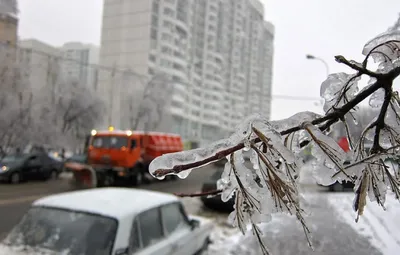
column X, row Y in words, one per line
column 324, row 28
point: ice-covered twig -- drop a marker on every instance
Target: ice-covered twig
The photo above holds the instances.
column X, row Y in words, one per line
column 199, row 194
column 380, row 122
column 359, row 68
column 326, row 120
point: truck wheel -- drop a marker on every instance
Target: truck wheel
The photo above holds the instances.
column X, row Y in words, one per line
column 108, row 180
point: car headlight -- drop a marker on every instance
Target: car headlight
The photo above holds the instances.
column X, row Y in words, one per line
column 4, row 168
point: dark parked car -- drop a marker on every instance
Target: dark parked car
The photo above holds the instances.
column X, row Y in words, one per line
column 22, row 167
column 339, row 187
column 215, row 202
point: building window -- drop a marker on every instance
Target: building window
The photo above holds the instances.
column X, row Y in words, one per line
column 156, row 6
column 168, row 12
column 154, row 34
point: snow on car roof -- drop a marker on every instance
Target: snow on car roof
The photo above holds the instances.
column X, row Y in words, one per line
column 111, row 202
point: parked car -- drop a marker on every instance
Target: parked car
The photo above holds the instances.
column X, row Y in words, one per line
column 22, row 167
column 108, row 221
column 215, row 202
column 339, row 187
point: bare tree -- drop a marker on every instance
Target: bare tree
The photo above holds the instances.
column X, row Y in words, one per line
column 15, row 101
column 152, row 103
column 271, row 186
column 73, row 113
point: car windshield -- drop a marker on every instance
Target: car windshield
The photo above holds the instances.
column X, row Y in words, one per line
column 115, row 142
column 12, row 158
column 64, row 232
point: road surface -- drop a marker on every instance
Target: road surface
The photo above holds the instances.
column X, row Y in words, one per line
column 16, row 199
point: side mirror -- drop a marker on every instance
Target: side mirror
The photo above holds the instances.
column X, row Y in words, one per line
column 194, row 223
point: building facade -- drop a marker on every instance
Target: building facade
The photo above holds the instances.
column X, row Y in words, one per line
column 218, row 55
column 42, row 65
column 78, row 63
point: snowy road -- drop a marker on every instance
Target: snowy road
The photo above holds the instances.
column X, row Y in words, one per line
column 331, row 221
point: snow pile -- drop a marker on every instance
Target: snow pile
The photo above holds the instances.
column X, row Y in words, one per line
column 381, row 227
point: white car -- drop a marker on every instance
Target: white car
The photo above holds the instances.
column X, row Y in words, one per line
column 109, row 221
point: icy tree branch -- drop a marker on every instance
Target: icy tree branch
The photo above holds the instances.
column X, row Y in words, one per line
column 200, row 194
column 356, row 66
column 326, row 122
column 277, row 147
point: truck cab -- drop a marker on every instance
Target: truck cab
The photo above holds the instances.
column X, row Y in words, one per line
column 118, row 155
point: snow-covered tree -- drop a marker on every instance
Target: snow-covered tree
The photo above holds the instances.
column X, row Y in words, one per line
column 15, row 101
column 271, row 185
column 149, row 105
column 59, row 111
column 67, row 116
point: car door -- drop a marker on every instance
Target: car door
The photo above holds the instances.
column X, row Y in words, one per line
column 178, row 230
column 148, row 237
column 31, row 167
column 46, row 165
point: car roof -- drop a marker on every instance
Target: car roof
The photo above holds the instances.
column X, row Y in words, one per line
column 111, row 202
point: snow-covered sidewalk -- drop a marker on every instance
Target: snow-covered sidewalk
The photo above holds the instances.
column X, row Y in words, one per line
column 381, row 227
column 331, row 220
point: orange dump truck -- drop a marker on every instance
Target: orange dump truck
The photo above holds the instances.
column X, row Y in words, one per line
column 117, row 156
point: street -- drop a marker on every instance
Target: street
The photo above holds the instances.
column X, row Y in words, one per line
column 329, row 215
column 16, row 199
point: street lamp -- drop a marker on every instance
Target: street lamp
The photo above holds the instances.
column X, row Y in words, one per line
column 312, row 57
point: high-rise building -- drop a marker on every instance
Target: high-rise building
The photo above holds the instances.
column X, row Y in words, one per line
column 218, row 54
column 78, row 60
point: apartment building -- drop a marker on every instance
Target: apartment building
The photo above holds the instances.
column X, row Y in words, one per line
column 79, row 61
column 218, row 54
column 42, row 63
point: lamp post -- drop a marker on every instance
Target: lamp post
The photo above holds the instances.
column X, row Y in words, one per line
column 312, row 57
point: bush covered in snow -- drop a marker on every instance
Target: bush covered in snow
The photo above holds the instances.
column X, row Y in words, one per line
column 271, row 186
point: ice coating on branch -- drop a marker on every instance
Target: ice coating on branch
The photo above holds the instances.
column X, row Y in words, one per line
column 329, row 156
column 393, row 114
column 242, row 135
column 333, row 87
column 389, row 50
column 376, row 99
column 294, row 120
column 169, row 161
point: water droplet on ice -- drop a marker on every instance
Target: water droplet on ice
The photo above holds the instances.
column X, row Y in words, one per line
column 184, row 174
